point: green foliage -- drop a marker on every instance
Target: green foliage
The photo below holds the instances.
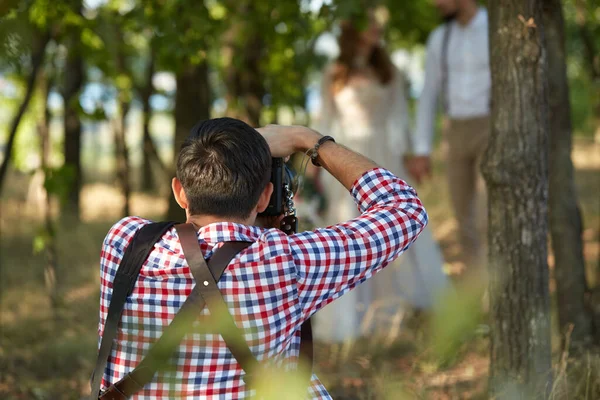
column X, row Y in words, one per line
column 59, row 181
column 41, row 241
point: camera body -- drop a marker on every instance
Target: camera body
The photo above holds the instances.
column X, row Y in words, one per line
column 281, row 175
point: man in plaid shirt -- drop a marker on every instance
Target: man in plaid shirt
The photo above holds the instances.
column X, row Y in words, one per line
column 274, row 285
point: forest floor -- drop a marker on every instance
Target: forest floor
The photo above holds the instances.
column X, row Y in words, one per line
column 46, row 354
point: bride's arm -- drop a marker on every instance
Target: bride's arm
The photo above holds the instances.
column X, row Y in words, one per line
column 398, row 124
column 327, row 117
column 328, row 113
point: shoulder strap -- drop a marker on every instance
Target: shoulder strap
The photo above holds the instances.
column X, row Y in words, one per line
column 232, row 335
column 446, row 40
column 207, row 285
column 160, row 352
column 136, row 253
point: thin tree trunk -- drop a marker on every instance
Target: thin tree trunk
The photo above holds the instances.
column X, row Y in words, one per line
column 122, row 153
column 37, row 59
column 245, row 88
column 565, row 216
column 192, row 104
column 122, row 156
column 515, row 169
column 73, row 82
column 252, row 80
column 591, row 56
column 148, row 183
column 50, row 269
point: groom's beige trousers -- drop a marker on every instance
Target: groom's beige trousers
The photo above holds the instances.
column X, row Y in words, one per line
column 467, row 141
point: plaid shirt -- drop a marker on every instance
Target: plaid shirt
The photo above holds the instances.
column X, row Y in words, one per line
column 271, row 288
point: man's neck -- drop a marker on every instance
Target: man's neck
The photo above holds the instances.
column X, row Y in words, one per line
column 466, row 15
column 202, row 220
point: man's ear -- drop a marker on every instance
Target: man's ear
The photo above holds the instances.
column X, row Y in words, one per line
column 179, row 193
column 265, row 197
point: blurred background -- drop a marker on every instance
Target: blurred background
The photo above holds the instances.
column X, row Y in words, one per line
column 95, row 98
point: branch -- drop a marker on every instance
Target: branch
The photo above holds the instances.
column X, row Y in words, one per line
column 37, row 59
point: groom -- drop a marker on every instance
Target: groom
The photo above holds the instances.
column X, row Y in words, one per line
column 457, row 75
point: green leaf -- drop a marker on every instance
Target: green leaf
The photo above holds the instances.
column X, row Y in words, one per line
column 59, row 181
column 40, row 242
column 91, row 39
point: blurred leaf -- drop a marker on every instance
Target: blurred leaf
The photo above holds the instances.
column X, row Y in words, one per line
column 91, row 39
column 41, row 241
column 59, row 181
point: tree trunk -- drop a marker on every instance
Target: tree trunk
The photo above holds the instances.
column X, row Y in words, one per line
column 565, row 217
column 192, row 104
column 252, row 80
column 124, row 96
column 243, row 79
column 37, row 59
column 73, row 82
column 147, row 180
column 50, row 268
column 591, row 56
column 122, row 156
column 515, row 168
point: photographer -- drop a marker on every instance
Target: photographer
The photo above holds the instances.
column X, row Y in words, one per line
column 272, row 286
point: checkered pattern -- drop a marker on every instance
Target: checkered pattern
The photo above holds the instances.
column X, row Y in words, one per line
column 271, row 288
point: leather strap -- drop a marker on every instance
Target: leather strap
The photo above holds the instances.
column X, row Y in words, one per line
column 207, row 285
column 161, row 351
column 163, row 348
column 232, row 335
column 135, row 254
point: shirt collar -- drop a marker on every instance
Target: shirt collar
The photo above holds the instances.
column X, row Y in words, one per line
column 478, row 19
column 229, row 231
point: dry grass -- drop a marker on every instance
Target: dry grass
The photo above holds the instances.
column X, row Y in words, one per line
column 50, row 355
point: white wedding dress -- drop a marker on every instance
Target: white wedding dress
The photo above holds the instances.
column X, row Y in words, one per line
column 373, row 120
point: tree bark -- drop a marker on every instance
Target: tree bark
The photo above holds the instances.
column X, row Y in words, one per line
column 73, row 82
column 566, row 225
column 147, row 180
column 122, row 153
column 50, row 269
column 122, row 156
column 243, row 79
column 192, row 104
column 515, row 168
column 591, row 56
column 37, row 59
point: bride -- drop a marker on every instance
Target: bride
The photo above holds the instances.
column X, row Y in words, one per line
column 364, row 107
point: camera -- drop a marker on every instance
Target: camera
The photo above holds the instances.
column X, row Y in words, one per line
column 281, row 176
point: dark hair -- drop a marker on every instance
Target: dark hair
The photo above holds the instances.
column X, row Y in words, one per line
column 224, row 165
column 348, row 41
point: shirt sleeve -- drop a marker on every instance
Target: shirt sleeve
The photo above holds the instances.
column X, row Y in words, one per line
column 333, row 260
column 398, row 120
column 428, row 101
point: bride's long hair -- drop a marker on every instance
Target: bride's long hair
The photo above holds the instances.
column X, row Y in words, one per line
column 343, row 68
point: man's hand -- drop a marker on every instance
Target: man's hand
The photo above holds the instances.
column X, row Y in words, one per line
column 287, row 140
column 419, row 167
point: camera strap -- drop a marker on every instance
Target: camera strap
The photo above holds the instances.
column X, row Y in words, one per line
column 205, row 293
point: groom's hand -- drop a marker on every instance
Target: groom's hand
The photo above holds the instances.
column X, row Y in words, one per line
column 419, row 167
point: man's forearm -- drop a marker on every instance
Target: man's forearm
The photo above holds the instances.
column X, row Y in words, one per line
column 344, row 164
